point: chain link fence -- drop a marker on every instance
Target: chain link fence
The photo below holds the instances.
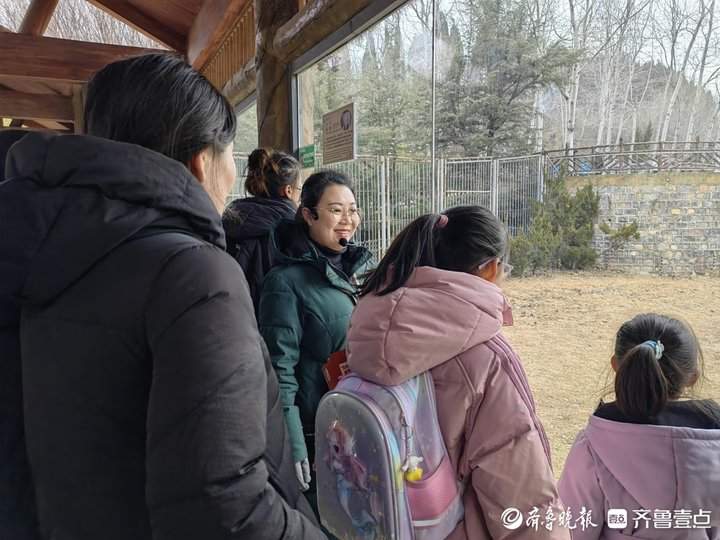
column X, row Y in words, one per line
column 392, row 191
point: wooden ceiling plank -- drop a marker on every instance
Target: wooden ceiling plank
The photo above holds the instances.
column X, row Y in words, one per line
column 37, row 17
column 51, row 59
column 37, row 106
column 140, row 21
column 34, row 87
column 215, row 19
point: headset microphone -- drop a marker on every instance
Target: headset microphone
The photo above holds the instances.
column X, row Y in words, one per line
column 343, row 242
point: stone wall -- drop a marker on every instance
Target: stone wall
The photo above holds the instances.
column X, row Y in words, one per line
column 678, row 215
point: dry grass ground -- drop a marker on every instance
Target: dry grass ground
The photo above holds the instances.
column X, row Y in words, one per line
column 564, row 329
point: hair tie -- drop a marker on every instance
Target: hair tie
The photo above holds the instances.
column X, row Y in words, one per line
column 442, row 221
column 657, row 346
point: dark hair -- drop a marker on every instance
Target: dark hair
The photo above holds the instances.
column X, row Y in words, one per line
column 315, row 186
column 269, row 171
column 460, row 240
column 643, row 383
column 160, row 102
column 8, row 137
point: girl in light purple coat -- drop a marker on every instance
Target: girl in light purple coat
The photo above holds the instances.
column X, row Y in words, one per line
column 648, row 464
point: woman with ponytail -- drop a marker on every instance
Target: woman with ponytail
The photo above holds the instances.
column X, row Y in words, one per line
column 273, row 181
column 652, row 448
column 435, row 303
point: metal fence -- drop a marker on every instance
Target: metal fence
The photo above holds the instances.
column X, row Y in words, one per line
column 392, row 191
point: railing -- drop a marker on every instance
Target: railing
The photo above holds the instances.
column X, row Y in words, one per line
column 631, row 158
column 392, row 191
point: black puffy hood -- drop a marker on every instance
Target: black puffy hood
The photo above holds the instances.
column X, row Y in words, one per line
column 94, row 194
column 254, row 217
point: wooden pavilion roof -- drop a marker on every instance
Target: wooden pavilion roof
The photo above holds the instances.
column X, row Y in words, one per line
column 42, row 78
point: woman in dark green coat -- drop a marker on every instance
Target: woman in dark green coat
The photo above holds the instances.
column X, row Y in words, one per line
column 307, row 299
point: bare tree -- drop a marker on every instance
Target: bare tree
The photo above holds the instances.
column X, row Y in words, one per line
column 702, row 82
column 582, row 15
column 692, row 29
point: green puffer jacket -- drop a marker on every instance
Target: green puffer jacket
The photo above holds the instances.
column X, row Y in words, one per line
column 305, row 308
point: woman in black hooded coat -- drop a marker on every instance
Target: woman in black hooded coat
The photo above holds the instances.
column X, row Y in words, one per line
column 273, row 180
column 151, row 408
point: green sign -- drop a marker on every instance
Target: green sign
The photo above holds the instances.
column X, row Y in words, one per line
column 307, row 156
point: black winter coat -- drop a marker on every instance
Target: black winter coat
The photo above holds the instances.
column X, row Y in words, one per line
column 248, row 224
column 17, row 502
column 151, row 410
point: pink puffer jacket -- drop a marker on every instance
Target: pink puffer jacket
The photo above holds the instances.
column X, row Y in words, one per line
column 450, row 323
column 664, row 478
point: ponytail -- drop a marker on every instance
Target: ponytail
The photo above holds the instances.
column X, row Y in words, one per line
column 413, row 247
column 658, row 360
column 256, row 183
column 269, row 171
column 459, row 239
column 642, row 389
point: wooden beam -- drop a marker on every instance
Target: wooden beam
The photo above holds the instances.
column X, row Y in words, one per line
column 37, row 17
column 49, row 106
column 34, row 87
column 242, row 84
column 215, row 19
column 133, row 17
column 52, row 59
column 317, row 20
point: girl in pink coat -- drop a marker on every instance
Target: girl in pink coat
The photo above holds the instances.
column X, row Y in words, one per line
column 435, row 303
column 647, row 466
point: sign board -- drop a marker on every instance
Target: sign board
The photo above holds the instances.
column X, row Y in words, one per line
column 338, row 135
column 306, row 156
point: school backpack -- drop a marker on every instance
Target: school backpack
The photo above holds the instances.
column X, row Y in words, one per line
column 382, row 468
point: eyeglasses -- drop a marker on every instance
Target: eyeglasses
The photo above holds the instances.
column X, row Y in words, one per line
column 338, row 212
column 505, row 268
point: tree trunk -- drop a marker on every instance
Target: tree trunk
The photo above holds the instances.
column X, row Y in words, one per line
column 572, row 107
column 681, row 71
column 700, row 81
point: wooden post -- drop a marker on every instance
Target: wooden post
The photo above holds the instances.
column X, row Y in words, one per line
column 272, row 76
column 659, row 156
column 284, row 33
column 78, row 100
